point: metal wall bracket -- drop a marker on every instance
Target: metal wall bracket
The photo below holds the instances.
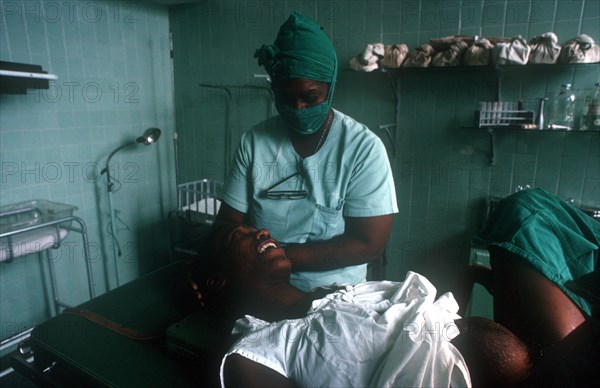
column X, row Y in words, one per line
column 386, row 129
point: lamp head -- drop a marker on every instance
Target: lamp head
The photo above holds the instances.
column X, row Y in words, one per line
column 150, row 136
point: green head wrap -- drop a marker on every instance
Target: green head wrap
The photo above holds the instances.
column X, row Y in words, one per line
column 301, row 50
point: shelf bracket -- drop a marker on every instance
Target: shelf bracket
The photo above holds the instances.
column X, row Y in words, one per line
column 386, row 129
column 492, row 135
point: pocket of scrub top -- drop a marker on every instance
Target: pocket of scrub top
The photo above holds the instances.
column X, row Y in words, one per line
column 328, row 222
column 274, row 217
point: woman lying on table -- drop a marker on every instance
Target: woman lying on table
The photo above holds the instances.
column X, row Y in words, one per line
column 546, row 290
column 371, row 334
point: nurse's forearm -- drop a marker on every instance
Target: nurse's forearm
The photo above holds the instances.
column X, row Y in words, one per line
column 363, row 241
column 325, row 255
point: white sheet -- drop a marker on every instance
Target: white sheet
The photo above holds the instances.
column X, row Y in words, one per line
column 375, row 334
column 208, row 206
column 30, row 242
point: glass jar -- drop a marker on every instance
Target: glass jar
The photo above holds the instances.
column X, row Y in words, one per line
column 562, row 109
column 590, row 118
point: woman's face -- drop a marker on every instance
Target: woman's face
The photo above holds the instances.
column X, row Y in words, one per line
column 300, row 93
column 253, row 258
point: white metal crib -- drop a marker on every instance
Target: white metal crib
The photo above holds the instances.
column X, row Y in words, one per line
column 198, row 202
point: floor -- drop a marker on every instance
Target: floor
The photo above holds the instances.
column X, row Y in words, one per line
column 13, row 380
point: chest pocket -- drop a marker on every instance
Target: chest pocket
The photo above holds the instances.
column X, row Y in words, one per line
column 272, row 215
column 327, row 223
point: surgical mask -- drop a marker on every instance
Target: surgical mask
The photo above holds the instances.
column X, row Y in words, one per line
column 305, row 121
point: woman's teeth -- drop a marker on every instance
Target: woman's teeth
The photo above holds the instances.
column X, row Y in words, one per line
column 266, row 246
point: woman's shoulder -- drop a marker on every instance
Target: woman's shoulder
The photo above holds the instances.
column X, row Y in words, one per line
column 266, row 124
column 353, row 130
column 265, row 129
column 349, row 122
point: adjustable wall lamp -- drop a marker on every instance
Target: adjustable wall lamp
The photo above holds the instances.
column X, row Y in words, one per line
column 150, row 136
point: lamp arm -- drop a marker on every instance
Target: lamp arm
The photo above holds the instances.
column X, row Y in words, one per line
column 117, row 150
column 106, row 168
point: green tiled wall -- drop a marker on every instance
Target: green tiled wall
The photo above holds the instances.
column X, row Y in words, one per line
column 441, row 169
column 114, row 80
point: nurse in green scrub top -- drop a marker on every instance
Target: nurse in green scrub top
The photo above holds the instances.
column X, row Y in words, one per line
column 318, row 180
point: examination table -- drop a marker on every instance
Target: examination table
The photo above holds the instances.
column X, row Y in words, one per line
column 145, row 333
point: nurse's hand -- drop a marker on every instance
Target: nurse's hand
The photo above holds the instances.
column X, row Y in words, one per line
column 363, row 241
column 203, row 287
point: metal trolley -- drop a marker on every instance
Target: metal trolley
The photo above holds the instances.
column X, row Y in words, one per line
column 35, row 227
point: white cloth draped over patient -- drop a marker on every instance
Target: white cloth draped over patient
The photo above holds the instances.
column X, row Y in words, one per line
column 372, row 334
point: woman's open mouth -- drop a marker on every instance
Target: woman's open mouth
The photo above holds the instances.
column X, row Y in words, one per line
column 266, row 245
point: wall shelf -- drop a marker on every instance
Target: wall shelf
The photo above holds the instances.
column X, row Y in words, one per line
column 488, row 68
column 492, row 135
column 17, row 78
column 497, row 71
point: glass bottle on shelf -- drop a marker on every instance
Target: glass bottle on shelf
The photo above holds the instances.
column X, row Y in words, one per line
column 590, row 118
column 562, row 109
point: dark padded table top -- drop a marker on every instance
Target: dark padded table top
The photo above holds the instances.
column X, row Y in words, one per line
column 89, row 353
